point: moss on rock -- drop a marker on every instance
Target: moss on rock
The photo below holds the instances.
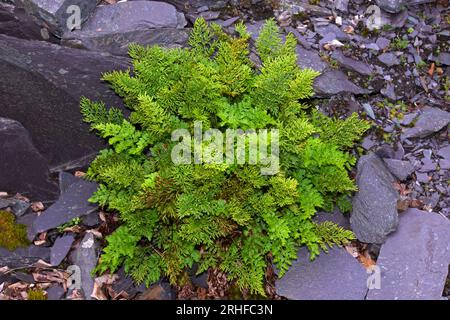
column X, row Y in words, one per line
column 12, row 235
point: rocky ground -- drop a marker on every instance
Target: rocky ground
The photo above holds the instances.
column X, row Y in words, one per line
column 392, row 68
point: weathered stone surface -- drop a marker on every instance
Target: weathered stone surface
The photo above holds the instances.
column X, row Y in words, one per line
column 352, row 64
column 333, row 82
column 117, row 43
column 337, row 217
column 113, row 27
column 400, row 169
column 389, row 59
column 310, row 59
column 23, row 257
column 374, row 213
column 414, row 260
column 71, row 204
column 22, row 168
column 444, row 152
column 430, row 121
column 41, row 86
column 60, row 249
column 392, row 6
column 58, row 15
column 444, row 58
column 85, row 257
column 55, row 293
column 18, row 207
column 335, row 275
column 66, row 180
column 16, row 23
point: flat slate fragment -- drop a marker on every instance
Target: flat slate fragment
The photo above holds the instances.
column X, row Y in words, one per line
column 23, row 257
column 60, row 249
column 72, row 204
column 430, row 121
column 335, row 275
column 374, row 213
column 414, row 260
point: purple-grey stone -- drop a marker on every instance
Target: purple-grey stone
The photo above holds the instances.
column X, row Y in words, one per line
column 389, row 59
column 23, row 257
column 66, row 179
column 71, row 204
column 374, row 213
column 383, row 43
column 335, row 275
column 400, row 169
column 86, row 257
column 427, row 165
column 429, row 122
column 60, row 249
column 352, row 64
column 422, row 177
column 55, row 14
column 414, row 260
column 22, row 167
column 391, row 6
column 310, row 59
column 444, row 152
column 55, row 292
column 335, row 82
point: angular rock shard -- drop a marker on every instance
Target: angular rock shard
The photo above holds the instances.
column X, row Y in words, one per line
column 72, row 204
column 414, row 260
column 22, row 168
column 335, row 275
column 374, row 213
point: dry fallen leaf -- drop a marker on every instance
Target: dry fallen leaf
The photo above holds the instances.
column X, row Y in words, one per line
column 96, row 233
column 431, row 70
column 79, row 174
column 3, row 194
column 97, row 292
column 37, row 206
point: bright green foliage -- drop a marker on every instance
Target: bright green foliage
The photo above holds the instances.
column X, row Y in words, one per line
column 12, row 235
column 225, row 216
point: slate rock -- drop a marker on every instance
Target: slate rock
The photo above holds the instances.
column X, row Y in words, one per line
column 310, row 59
column 113, row 27
column 352, row 64
column 414, row 260
column 336, row 217
column 383, row 43
column 60, row 249
column 374, row 213
column 41, row 86
column 66, row 179
column 18, row 207
column 91, row 220
column 55, row 293
column 430, row 121
column 23, row 257
column 86, row 257
column 333, row 82
column 341, row 5
column 56, row 13
column 389, row 59
column 444, row 152
column 392, row 6
column 22, row 168
column 125, row 283
column 71, row 204
column 444, row 58
column 401, row 169
column 335, row 275
column 15, row 22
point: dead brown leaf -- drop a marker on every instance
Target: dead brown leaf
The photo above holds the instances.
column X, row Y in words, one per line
column 431, row 69
column 37, row 206
column 79, row 174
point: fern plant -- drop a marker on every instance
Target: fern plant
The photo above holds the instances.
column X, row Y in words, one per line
column 225, row 216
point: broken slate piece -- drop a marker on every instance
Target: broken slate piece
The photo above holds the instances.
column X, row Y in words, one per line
column 389, row 59
column 85, row 257
column 414, row 260
column 429, row 122
column 60, row 249
column 23, row 257
column 335, row 275
column 400, row 169
column 72, row 204
column 374, row 213
column 65, row 180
